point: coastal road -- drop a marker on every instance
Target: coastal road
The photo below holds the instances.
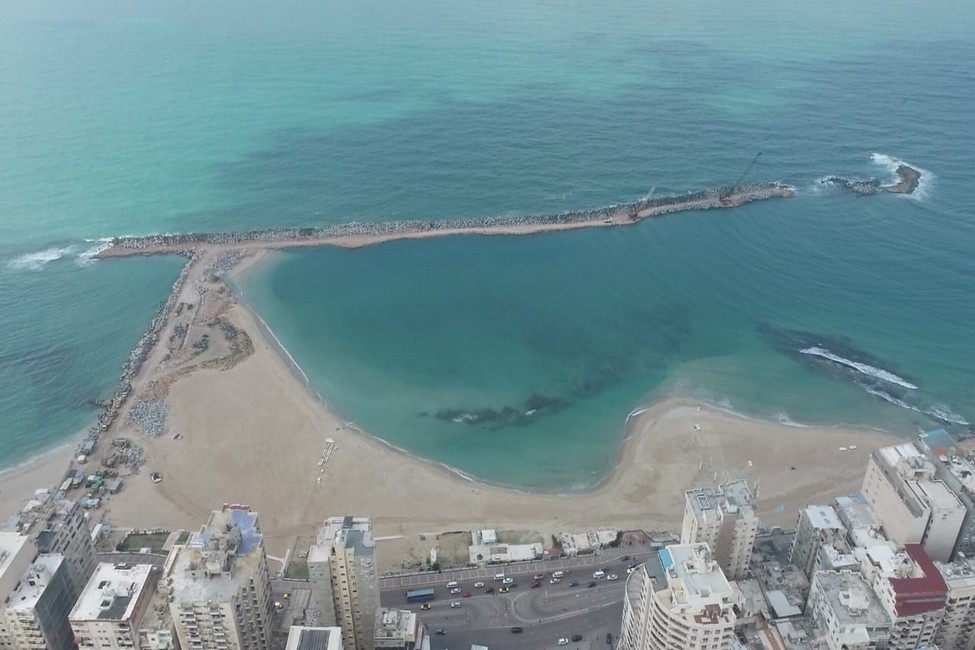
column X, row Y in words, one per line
column 545, row 613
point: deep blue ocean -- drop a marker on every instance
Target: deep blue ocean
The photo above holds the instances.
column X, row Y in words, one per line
column 513, row 359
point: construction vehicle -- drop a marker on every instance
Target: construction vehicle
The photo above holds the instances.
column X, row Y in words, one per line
column 726, row 193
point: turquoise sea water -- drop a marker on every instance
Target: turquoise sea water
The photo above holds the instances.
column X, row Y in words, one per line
column 181, row 117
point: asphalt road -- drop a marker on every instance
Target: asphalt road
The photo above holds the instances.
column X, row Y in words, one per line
column 545, row 613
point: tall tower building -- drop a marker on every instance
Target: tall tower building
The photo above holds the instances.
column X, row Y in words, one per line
column 34, row 615
column 817, row 526
column 59, row 526
column 724, row 518
column 108, row 614
column 218, row 585
column 957, row 629
column 913, row 506
column 345, row 585
column 680, row 599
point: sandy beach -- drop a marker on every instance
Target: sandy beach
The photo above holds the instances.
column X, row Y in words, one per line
column 252, row 432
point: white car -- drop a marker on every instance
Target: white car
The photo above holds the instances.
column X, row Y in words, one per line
column 630, row 570
column 563, row 641
column 555, row 581
column 478, row 585
column 507, row 581
column 455, row 604
column 455, row 590
column 612, row 576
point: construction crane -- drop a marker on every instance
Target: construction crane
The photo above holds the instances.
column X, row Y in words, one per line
column 726, row 193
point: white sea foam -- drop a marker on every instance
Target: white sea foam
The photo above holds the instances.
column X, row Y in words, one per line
column 86, row 257
column 36, row 261
column 944, row 413
column 891, row 164
column 890, row 398
column 862, row 368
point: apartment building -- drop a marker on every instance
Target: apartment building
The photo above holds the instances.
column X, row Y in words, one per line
column 34, row 615
column 344, row 581
column 846, row 611
column 915, row 595
column 680, row 599
column 400, row 629
column 817, row 526
column 314, row 638
column 724, row 518
column 913, row 506
column 60, row 526
column 957, row 630
column 109, row 612
column 218, row 585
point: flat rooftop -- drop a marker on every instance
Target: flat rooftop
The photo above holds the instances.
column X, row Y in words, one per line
column 217, row 561
column 823, row 517
column 11, row 545
column 733, row 497
column 348, row 531
column 112, row 592
column 35, row 581
column 314, row 638
column 852, row 600
column 399, row 624
column 693, row 577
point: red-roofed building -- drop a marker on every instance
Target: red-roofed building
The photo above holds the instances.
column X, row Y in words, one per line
column 914, row 600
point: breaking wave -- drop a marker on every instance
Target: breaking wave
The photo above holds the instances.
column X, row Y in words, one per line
column 863, row 368
column 891, row 164
column 36, row 261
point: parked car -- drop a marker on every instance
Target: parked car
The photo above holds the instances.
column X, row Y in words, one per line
column 538, row 576
column 503, row 590
column 507, row 581
column 624, row 558
column 425, row 606
column 630, row 570
column 466, row 594
column 612, row 576
column 517, row 629
column 536, row 584
column 563, row 641
column 577, row 637
column 592, row 583
column 440, row 631
column 478, row 585
column 455, row 603
column 555, row 581
column 455, row 590
column 574, row 583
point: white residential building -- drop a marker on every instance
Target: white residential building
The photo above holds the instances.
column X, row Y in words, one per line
column 912, row 505
column 847, row 614
column 680, row 599
column 17, row 552
column 957, row 630
column 400, row 629
column 344, row 581
column 954, row 465
column 218, row 585
column 34, row 615
column 817, row 526
column 314, row 638
column 108, row 614
column 724, row 518
column 59, row 526
column 914, row 594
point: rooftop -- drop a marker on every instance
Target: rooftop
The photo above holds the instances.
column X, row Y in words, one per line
column 851, row 599
column 45, row 513
column 958, row 574
column 823, row 517
column 395, row 624
column 35, row 582
column 731, row 497
column 314, row 638
column 693, row 577
column 924, row 591
column 11, row 545
column 112, row 592
column 354, row 532
column 217, row 561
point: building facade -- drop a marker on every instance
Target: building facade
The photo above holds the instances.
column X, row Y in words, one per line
column 957, row 630
column 817, row 526
column 724, row 518
column 35, row 614
column 109, row 612
column 344, row 581
column 680, row 599
column 915, row 596
column 218, row 586
column 913, row 506
column 955, row 467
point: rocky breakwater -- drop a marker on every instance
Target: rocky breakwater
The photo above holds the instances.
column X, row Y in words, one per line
column 908, row 180
column 376, row 232
column 133, row 365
